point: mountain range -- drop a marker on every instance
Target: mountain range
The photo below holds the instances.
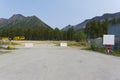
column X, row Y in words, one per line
column 18, row 20
column 82, row 25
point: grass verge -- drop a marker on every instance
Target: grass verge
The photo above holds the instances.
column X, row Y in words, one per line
column 71, row 43
column 115, row 52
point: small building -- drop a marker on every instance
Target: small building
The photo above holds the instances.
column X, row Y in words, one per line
column 115, row 30
column 5, row 38
column 4, row 42
column 19, row 38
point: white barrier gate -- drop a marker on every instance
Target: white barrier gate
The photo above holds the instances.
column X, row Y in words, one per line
column 63, row 44
column 28, row 45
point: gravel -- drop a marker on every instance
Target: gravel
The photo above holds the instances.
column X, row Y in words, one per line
column 50, row 62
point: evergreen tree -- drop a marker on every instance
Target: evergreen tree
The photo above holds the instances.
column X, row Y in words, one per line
column 80, row 36
column 114, row 21
column 57, row 34
column 70, row 34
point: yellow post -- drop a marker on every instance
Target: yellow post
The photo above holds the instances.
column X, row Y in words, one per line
column 10, row 45
column 86, row 45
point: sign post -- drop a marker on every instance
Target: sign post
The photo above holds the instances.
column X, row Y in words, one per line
column 108, row 48
column 108, row 41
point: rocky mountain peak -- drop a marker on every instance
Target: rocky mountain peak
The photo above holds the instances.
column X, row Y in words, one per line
column 82, row 25
column 17, row 17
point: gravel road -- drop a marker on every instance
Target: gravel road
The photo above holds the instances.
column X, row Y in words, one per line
column 49, row 62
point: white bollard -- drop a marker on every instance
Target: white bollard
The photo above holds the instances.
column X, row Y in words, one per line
column 28, row 45
column 63, row 44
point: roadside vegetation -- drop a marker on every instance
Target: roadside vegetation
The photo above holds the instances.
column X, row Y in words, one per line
column 115, row 52
column 4, row 52
column 71, row 43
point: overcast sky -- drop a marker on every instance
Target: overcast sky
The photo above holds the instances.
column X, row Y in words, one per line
column 59, row 13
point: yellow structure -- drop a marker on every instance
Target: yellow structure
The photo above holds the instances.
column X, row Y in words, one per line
column 5, row 38
column 7, row 41
column 19, row 38
column 86, row 45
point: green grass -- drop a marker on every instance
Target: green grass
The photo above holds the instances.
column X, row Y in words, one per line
column 14, row 43
column 4, row 52
column 58, row 42
column 8, row 48
column 34, row 42
column 116, row 52
column 104, row 51
column 71, row 43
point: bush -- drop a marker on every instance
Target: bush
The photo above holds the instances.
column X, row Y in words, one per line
column 94, row 47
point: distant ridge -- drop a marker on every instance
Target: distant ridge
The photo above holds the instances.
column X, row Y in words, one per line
column 82, row 25
column 18, row 20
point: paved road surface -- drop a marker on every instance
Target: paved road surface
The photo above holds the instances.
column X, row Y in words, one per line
column 49, row 62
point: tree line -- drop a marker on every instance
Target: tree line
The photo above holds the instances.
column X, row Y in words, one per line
column 43, row 34
column 97, row 28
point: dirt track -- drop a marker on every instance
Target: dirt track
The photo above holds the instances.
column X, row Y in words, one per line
column 49, row 62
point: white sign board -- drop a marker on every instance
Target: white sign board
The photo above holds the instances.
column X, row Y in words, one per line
column 108, row 39
column 63, row 44
column 28, row 45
